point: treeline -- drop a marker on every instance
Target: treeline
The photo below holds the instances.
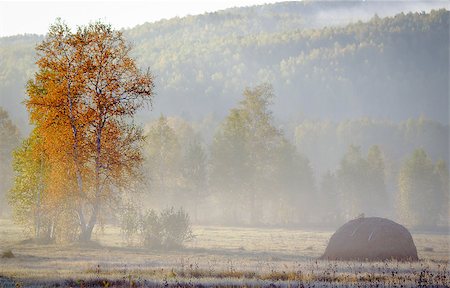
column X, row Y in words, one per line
column 252, row 174
column 396, row 139
column 393, row 67
column 238, row 165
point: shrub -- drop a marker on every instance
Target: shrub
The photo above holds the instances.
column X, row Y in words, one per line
column 151, row 230
column 167, row 230
column 176, row 227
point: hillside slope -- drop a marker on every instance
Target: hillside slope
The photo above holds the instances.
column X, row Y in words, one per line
column 394, row 67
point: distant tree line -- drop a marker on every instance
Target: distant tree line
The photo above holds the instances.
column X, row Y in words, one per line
column 251, row 174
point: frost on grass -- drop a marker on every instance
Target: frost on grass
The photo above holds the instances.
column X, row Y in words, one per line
column 217, row 256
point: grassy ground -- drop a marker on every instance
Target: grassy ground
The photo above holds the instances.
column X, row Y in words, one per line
column 217, row 257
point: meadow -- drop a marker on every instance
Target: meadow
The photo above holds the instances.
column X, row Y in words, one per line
column 218, row 256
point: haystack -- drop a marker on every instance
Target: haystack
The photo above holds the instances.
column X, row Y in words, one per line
column 371, row 239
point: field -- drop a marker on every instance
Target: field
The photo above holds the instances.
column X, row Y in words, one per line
column 216, row 257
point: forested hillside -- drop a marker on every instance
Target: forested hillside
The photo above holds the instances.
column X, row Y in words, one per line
column 395, row 67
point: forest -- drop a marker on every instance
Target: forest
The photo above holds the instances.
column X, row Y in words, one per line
column 376, row 68
column 222, row 149
column 326, row 123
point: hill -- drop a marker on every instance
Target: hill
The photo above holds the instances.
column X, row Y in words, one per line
column 391, row 67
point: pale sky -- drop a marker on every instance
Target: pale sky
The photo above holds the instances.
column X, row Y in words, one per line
column 20, row 17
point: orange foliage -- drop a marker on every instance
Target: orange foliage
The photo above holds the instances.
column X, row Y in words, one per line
column 82, row 100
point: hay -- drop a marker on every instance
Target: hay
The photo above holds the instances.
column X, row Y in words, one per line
column 371, row 239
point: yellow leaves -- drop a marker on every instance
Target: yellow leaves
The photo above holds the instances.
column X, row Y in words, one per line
column 27, row 165
column 81, row 99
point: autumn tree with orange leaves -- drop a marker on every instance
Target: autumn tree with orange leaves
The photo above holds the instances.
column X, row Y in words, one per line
column 82, row 101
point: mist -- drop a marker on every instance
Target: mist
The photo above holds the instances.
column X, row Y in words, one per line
column 249, row 146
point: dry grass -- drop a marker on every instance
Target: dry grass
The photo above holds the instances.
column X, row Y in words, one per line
column 7, row 254
column 217, row 257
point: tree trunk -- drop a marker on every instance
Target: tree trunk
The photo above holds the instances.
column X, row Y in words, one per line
column 76, row 159
column 86, row 231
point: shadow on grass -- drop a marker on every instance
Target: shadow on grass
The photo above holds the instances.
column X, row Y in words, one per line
column 272, row 256
column 87, row 251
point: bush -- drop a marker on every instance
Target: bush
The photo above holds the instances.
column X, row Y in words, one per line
column 167, row 230
column 151, row 230
column 176, row 227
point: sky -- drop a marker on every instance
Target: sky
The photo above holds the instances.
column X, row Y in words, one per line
column 35, row 17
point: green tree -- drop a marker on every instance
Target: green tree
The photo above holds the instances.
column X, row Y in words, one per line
column 176, row 163
column 194, row 174
column 163, row 154
column 251, row 160
column 292, row 187
column 329, row 200
column 376, row 184
column 28, row 190
column 229, row 164
column 262, row 142
column 244, row 149
column 9, row 140
column 361, row 182
column 352, row 180
column 421, row 192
